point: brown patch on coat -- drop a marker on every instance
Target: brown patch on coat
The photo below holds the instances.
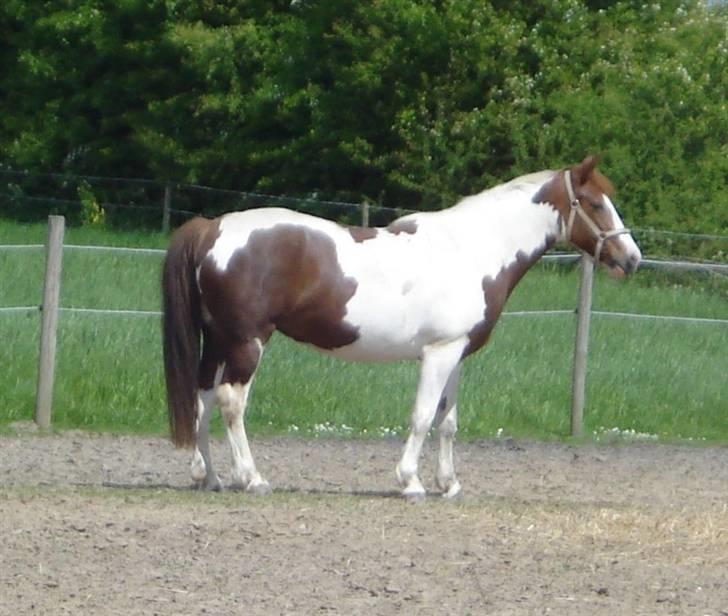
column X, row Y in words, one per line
column 286, row 278
column 496, row 291
column 403, row 226
column 602, row 183
column 589, row 187
column 587, row 181
column 554, row 193
column 362, row 234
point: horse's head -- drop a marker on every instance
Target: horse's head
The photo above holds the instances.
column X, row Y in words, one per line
column 589, row 219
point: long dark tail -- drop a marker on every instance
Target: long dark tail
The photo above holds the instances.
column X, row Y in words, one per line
column 181, row 326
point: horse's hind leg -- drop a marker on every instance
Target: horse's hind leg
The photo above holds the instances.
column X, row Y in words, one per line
column 201, row 467
column 232, row 395
column 210, row 373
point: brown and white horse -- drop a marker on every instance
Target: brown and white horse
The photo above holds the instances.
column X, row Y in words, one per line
column 428, row 287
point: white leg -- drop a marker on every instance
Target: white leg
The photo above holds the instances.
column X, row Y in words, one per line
column 232, row 400
column 438, row 363
column 201, row 466
column 447, row 423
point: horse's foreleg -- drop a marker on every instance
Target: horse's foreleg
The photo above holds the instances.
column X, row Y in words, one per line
column 201, row 467
column 447, row 422
column 439, row 361
column 233, row 398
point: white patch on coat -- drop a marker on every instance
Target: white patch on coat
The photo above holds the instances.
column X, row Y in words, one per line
column 442, row 267
column 236, row 227
column 628, row 244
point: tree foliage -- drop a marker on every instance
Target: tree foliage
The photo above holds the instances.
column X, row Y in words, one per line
column 406, row 102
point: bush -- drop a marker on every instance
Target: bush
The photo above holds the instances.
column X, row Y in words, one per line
column 402, row 102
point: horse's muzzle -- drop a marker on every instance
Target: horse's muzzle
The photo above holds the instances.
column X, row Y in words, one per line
column 631, row 263
column 624, row 266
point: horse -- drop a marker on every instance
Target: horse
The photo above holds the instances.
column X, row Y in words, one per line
column 428, row 287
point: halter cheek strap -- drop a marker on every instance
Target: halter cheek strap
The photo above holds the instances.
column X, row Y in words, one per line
column 575, row 210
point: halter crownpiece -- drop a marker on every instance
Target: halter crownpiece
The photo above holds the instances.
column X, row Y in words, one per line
column 576, row 209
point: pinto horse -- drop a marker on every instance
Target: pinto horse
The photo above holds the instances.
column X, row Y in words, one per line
column 428, row 287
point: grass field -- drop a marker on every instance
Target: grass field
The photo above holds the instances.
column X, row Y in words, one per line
column 658, row 378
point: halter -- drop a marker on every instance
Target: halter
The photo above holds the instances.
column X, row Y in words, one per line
column 575, row 208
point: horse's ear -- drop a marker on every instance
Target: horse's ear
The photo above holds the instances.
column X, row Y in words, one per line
column 584, row 169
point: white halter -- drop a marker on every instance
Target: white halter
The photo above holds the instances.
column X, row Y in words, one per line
column 575, row 208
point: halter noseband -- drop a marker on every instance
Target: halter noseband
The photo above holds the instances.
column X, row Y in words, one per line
column 574, row 209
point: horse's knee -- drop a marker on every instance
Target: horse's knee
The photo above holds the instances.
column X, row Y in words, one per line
column 231, row 400
column 421, row 423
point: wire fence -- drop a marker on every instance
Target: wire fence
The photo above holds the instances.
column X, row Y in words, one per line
column 138, row 203
column 50, row 309
column 563, row 258
column 133, row 202
column 155, row 204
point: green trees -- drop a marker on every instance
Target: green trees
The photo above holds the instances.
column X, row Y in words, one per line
column 79, row 82
column 403, row 101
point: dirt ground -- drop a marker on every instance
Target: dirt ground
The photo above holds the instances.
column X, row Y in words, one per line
column 109, row 525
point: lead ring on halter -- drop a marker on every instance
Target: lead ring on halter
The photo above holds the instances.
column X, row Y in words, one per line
column 574, row 209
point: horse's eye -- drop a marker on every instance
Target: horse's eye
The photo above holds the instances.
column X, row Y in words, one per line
column 597, row 205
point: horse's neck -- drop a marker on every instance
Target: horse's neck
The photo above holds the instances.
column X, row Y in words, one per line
column 502, row 225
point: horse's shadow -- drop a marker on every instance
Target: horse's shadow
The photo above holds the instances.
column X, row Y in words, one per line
column 112, row 485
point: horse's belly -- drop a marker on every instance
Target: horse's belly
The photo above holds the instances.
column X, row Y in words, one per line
column 398, row 328
column 378, row 349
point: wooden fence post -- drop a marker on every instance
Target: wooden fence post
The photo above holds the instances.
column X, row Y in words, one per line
column 49, row 321
column 166, row 207
column 581, row 346
column 365, row 214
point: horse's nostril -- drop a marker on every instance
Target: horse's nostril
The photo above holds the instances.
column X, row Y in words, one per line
column 632, row 263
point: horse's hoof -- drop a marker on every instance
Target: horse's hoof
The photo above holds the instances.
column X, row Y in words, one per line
column 210, row 484
column 453, row 497
column 414, row 498
column 454, row 493
column 259, row 489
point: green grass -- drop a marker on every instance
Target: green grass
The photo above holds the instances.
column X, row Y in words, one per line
column 654, row 377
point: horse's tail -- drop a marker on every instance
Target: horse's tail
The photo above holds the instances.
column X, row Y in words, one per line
column 181, row 327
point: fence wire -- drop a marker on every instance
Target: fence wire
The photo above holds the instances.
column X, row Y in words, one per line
column 230, row 197
column 514, row 313
column 149, row 199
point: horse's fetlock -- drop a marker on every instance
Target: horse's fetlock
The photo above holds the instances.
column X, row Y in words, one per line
column 445, row 479
column 198, row 469
column 405, row 473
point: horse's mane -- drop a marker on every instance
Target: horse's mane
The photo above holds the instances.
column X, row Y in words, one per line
column 528, row 183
